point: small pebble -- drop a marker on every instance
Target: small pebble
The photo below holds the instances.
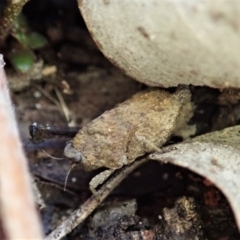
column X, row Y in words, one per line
column 37, row 94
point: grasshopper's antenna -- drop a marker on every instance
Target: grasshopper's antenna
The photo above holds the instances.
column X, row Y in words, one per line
column 66, row 179
column 56, row 158
column 68, row 173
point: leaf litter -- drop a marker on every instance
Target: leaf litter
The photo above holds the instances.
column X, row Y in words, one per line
column 215, row 156
column 95, row 90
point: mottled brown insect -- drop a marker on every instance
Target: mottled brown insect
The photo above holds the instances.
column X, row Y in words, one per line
column 140, row 125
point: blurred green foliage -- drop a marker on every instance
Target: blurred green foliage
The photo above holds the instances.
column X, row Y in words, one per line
column 23, row 57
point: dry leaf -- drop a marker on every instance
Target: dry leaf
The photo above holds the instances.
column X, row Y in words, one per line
column 166, row 43
column 215, row 156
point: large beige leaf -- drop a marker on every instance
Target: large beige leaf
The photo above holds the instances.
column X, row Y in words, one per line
column 168, row 42
column 215, row 156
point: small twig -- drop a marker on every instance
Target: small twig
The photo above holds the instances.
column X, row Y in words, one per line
column 79, row 215
column 65, row 109
column 49, row 96
column 10, row 13
column 60, row 103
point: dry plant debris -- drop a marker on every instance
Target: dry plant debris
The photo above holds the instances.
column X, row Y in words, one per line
column 215, row 156
column 183, row 221
column 118, row 220
column 147, row 136
column 79, row 215
column 166, row 43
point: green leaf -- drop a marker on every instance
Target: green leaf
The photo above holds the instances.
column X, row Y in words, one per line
column 22, row 60
column 36, row 40
column 26, row 37
column 22, row 38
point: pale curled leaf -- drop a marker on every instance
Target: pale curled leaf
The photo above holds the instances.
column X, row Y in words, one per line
column 167, row 42
column 215, row 156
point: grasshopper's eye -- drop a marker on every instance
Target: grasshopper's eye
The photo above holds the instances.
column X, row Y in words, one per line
column 72, row 153
column 78, row 157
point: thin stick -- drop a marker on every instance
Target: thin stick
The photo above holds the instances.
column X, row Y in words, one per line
column 79, row 215
column 63, row 104
column 60, row 103
column 51, row 98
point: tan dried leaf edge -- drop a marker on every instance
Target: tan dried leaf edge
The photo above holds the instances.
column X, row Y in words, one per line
column 215, row 156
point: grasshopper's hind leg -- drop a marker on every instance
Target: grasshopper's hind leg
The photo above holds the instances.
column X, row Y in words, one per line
column 98, row 180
